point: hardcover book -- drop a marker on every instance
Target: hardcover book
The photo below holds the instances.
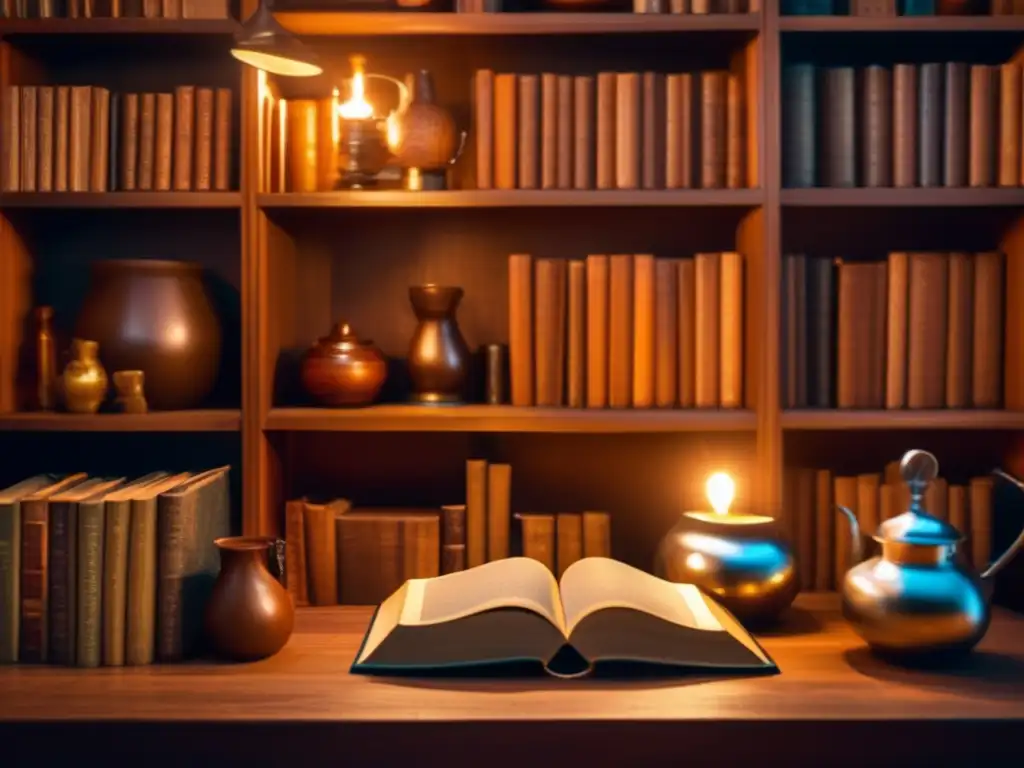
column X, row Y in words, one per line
column 512, row 617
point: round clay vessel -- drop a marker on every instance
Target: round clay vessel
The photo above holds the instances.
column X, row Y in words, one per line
column 85, row 381
column 249, row 615
column 341, row 370
column 427, row 136
column 156, row 317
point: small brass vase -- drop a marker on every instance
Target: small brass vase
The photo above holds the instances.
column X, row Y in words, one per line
column 85, row 381
column 129, row 387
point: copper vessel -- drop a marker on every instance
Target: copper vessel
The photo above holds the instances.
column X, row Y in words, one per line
column 249, row 615
column 156, row 317
column 341, row 370
column 426, row 142
column 438, row 355
column 85, row 381
column 130, row 397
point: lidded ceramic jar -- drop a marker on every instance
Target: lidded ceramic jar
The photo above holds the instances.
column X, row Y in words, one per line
column 342, row 370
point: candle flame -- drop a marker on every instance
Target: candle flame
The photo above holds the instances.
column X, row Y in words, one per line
column 720, row 491
column 357, row 107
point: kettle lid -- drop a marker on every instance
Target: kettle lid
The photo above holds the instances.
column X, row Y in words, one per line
column 916, row 526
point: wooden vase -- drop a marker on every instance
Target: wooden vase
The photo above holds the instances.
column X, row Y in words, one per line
column 438, row 355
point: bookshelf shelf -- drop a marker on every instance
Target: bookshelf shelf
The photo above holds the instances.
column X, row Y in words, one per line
column 798, row 420
column 205, row 200
column 932, row 197
column 105, row 26
column 220, row 420
column 518, row 198
column 503, row 418
column 946, row 24
column 386, row 24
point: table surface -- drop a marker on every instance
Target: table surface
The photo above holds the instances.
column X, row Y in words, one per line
column 826, row 677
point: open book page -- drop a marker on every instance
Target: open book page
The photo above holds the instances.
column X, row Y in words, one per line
column 384, row 622
column 596, row 583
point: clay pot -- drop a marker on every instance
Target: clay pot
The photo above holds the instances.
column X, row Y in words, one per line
column 341, row 370
column 249, row 615
column 155, row 317
column 85, row 381
column 438, row 355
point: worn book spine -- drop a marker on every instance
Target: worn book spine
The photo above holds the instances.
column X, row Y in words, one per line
column 538, row 535
column 983, row 133
column 164, row 141
column 576, row 335
column 804, row 528
column 896, row 330
column 959, row 331
column 453, row 538
column 548, row 130
column 528, row 151
column 652, row 145
column 713, row 138
column 184, row 136
column 222, row 144
column 687, row 332
column 10, row 142
column 204, row 9
column 520, row 322
column 29, row 129
column 302, row 169
column 904, row 125
column 476, row 512
column 140, row 621
column 321, row 552
column 62, row 571
column 129, row 147
column 620, row 330
column 839, row 130
column 296, row 579
column 644, row 315
column 113, row 141
column 926, row 324
column 203, row 172
column 929, row 115
column 627, row 130
column 147, row 141
column 584, row 120
column 597, row 331
column 564, row 134
column 505, row 122
column 707, row 330
column 735, row 132
column 1010, row 137
column 597, row 534
column 730, row 330
column 679, row 131
column 666, row 333
column 90, row 584
column 499, row 510
column 35, row 514
column 10, row 580
column 876, row 127
column 987, row 342
column 44, row 142
column 61, row 121
column 483, row 127
column 799, row 125
column 99, row 161
column 955, row 127
column 569, row 539
column 549, row 330
column 605, row 139
column 820, row 333
column 115, row 581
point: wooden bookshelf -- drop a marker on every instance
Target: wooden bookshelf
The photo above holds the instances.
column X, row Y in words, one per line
column 890, row 420
column 213, row 420
column 206, row 200
column 933, row 197
column 872, row 24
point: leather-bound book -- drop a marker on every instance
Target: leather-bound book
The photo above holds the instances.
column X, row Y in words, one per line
column 620, row 330
column 796, row 322
column 204, row 9
column 597, row 331
column 184, row 135
column 839, row 118
column 506, row 101
column 713, row 138
column 804, row 530
column 597, row 534
column 876, row 127
column 171, row 9
column 565, row 132
column 987, row 342
column 845, row 493
column 1010, row 136
column 861, row 336
column 528, row 152
column 627, row 130
column 483, row 127
column 896, row 334
column 538, row 535
column 569, row 539
column 576, row 334
column 955, row 127
column 960, row 331
column 129, row 145
column 730, row 379
column 203, row 174
column 10, row 142
column 904, row 125
column 584, row 121
column 735, row 133
column 151, row 9
column 163, row 142
column 453, row 538
column 653, row 141
column 80, row 138
column 61, row 121
column 100, row 160
column 687, row 332
column 549, row 301
column 666, row 333
column 821, row 323
column 548, row 131
column 956, row 505
column 980, row 502
column 984, row 135
column 520, row 328
column 29, row 133
column 868, row 508
column 929, row 117
column 319, row 523
column 147, row 141
column 476, row 512
column 644, row 312
column 824, row 531
column 301, row 143
column 606, row 139
column 679, row 131
column 222, row 143
column 499, row 510
column 707, row 337
column 44, row 140
column 926, row 330
column 296, row 579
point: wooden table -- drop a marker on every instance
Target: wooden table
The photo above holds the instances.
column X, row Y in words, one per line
column 832, row 705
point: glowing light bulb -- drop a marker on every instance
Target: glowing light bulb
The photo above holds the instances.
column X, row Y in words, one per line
column 720, row 491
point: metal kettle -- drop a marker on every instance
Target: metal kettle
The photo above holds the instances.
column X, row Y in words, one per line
column 919, row 598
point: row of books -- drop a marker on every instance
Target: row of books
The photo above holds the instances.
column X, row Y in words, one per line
column 337, row 554
column 916, row 125
column 618, row 130
column 639, row 6
column 901, row 7
column 87, row 139
column 627, row 331
column 97, row 571
column 919, row 330
column 86, row 9
column 822, row 538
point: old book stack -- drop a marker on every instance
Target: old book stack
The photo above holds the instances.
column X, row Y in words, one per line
column 87, row 139
column 919, row 330
column 822, row 537
column 107, row 572
column 95, row 9
column 912, row 125
column 627, row 331
column 337, row 554
column 615, row 130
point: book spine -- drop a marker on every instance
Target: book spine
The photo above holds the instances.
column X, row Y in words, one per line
column 10, row 580
column 876, row 130
column 549, row 131
column 735, row 133
column 222, row 144
column 620, row 330
column 499, row 510
column 576, row 363
column 597, row 331
column 569, row 527
column 687, row 332
column 203, row 172
column 904, row 125
column 90, row 584
column 296, row 579
column 564, row 126
column 584, row 119
column 929, row 113
column 63, row 545
column 666, row 333
column 605, row 139
column 597, row 534
column 896, row 331
column 730, row 329
column 955, row 128
column 529, row 132
column 140, row 635
column 520, row 304
column 713, row 127
column 707, row 333
column 926, row 324
column 987, row 343
column 959, row 331
column 653, row 132
column 476, row 512
column 483, row 127
column 1010, row 138
column 840, row 119
column 34, row 581
column 644, row 313
column 321, row 553
column 44, row 143
column 115, row 581
column 627, row 130
column 983, row 134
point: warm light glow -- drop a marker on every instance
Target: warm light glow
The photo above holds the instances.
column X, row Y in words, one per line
column 357, row 107
column 720, row 491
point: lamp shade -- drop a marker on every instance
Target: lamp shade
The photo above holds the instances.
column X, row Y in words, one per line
column 263, row 43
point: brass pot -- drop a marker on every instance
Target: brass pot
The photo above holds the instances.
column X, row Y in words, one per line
column 341, row 370
column 155, row 317
column 85, row 381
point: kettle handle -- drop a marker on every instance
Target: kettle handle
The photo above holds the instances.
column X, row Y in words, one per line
column 1007, row 556
column 856, row 550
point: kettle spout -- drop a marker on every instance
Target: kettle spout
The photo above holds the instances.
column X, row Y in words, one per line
column 1000, row 562
column 856, row 550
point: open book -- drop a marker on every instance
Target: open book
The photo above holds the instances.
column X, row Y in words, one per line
column 512, row 613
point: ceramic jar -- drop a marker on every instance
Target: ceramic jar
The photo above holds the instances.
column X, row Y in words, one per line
column 85, row 381
column 249, row 615
column 341, row 370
